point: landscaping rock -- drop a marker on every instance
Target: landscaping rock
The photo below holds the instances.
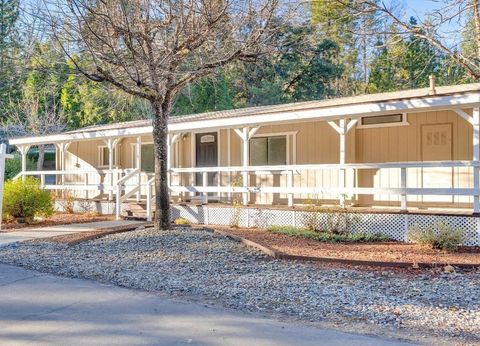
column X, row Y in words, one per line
column 202, row 265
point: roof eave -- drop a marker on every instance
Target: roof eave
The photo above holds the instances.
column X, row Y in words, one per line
column 417, row 104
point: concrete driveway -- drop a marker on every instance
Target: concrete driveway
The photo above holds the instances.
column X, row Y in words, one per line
column 8, row 238
column 38, row 309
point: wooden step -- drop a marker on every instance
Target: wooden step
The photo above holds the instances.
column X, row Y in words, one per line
column 136, row 211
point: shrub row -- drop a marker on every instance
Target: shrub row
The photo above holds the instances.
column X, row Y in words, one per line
column 328, row 237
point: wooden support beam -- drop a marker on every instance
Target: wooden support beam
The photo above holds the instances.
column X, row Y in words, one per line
column 464, row 115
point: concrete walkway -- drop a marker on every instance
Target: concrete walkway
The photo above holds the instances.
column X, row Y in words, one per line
column 41, row 309
column 8, row 238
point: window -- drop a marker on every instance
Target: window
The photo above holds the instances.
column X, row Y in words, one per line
column 383, row 120
column 268, row 151
column 147, row 162
column 103, row 157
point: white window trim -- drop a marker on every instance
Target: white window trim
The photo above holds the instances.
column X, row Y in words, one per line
column 291, row 158
column 193, row 146
column 134, row 152
column 100, row 156
column 404, row 122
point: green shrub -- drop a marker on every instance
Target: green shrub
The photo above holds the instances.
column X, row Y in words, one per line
column 337, row 219
column 13, row 166
column 181, row 221
column 440, row 237
column 327, row 237
column 25, row 199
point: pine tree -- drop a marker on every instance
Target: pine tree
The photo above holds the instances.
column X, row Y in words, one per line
column 9, row 12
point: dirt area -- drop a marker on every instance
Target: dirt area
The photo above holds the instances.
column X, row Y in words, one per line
column 373, row 252
column 57, row 219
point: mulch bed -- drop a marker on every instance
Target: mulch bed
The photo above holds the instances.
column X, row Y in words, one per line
column 387, row 253
column 58, row 219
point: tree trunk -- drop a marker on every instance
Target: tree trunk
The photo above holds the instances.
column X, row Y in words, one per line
column 41, row 157
column 476, row 16
column 160, row 133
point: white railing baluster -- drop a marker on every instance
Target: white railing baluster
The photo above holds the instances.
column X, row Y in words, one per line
column 149, row 199
column 118, row 202
column 476, row 186
column 205, row 184
column 290, row 186
column 403, row 185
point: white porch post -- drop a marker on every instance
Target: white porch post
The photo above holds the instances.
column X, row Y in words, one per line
column 172, row 143
column 111, row 145
column 62, row 148
column 245, row 134
column 342, row 129
column 245, row 156
column 23, row 151
column 138, row 164
column 476, row 156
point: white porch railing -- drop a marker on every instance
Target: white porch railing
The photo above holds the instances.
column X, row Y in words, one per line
column 403, row 190
column 343, row 180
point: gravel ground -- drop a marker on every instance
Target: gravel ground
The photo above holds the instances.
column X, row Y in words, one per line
column 200, row 264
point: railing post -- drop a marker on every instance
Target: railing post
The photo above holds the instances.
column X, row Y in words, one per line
column 290, row 186
column 86, row 185
column 403, row 185
column 149, row 202
column 138, row 164
column 42, row 180
column 245, row 185
column 476, row 186
column 476, row 156
column 205, row 183
column 118, row 202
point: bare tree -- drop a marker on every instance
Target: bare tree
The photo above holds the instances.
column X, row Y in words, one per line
column 154, row 48
column 462, row 44
column 31, row 117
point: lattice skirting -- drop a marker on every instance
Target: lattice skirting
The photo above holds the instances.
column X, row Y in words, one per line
column 393, row 225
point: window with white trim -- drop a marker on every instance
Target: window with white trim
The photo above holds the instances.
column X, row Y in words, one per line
column 147, row 158
column 383, row 120
column 103, row 156
column 147, row 161
column 268, row 151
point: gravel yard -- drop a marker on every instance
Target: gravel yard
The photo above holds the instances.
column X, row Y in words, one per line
column 206, row 266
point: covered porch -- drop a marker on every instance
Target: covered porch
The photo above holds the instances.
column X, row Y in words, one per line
column 402, row 151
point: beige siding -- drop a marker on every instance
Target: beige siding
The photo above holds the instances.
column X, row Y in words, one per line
column 316, row 143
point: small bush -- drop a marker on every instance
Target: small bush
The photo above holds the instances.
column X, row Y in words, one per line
column 66, row 199
column 327, row 237
column 25, row 199
column 181, row 221
column 336, row 220
column 440, row 237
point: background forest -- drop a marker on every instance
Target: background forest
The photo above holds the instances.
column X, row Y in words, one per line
column 329, row 50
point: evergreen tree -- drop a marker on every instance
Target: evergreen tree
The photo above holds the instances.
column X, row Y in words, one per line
column 209, row 94
column 9, row 81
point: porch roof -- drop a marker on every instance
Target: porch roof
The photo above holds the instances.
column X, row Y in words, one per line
column 415, row 100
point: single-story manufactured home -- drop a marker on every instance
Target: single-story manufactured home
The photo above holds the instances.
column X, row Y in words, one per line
column 395, row 158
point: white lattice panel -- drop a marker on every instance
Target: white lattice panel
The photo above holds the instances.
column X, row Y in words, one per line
column 393, row 225
column 469, row 225
column 227, row 216
column 194, row 214
column 263, row 218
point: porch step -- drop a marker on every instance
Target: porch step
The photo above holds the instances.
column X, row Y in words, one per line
column 136, row 211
